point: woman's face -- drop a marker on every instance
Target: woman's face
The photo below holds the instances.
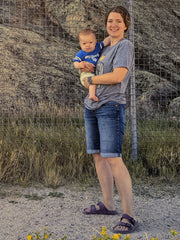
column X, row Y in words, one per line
column 115, row 25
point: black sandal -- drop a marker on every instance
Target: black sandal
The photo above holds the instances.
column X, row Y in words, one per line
column 131, row 226
column 102, row 210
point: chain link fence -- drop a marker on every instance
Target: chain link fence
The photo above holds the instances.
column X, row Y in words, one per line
column 39, row 86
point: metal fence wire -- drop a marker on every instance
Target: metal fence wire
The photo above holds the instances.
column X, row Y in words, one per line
column 38, row 40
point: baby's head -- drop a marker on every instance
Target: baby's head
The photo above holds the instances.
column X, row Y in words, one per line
column 87, row 40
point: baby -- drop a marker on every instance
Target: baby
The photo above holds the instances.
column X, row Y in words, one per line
column 90, row 52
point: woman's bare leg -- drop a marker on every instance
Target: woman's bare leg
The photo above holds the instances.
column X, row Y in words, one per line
column 105, row 177
column 123, row 184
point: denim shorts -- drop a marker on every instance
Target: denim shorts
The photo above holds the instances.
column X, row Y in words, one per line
column 105, row 129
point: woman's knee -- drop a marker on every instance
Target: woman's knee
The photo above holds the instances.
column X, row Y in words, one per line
column 98, row 159
column 96, row 156
column 114, row 162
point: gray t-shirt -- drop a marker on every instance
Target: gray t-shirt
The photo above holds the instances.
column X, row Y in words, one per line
column 119, row 55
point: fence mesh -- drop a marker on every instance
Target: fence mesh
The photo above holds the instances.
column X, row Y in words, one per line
column 38, row 83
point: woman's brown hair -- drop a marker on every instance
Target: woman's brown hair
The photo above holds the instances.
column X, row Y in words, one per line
column 124, row 14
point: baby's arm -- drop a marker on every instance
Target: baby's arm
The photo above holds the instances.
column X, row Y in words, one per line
column 107, row 41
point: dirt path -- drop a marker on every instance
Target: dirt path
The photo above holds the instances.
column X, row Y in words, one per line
column 26, row 210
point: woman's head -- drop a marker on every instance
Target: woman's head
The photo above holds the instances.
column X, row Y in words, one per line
column 124, row 14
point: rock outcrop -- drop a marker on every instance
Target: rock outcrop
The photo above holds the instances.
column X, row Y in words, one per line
column 39, row 40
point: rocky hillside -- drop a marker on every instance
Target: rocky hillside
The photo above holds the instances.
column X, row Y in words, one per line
column 39, row 40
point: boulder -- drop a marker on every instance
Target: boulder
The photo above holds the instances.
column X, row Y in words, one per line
column 174, row 108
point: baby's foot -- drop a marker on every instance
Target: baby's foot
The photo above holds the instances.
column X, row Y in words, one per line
column 94, row 98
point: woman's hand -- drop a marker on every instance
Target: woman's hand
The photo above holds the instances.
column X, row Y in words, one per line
column 88, row 67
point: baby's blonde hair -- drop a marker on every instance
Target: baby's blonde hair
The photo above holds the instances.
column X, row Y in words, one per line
column 85, row 32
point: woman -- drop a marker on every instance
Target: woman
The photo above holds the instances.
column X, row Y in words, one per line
column 105, row 120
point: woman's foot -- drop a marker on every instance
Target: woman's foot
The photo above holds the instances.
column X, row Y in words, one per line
column 126, row 225
column 99, row 209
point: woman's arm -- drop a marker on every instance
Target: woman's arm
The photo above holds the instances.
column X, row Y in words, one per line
column 114, row 77
column 79, row 65
column 88, row 67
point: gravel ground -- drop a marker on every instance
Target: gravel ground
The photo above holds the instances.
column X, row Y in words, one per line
column 26, row 210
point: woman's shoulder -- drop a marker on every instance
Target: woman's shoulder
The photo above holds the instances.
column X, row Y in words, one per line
column 125, row 41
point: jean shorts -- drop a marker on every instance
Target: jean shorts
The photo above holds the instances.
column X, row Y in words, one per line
column 105, row 129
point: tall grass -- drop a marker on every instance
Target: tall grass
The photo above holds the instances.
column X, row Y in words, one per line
column 158, row 149
column 50, row 148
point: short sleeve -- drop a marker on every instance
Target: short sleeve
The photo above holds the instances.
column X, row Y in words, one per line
column 78, row 57
column 124, row 55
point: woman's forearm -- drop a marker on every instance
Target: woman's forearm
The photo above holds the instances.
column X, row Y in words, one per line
column 114, row 77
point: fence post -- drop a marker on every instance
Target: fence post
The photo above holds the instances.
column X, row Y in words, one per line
column 133, row 123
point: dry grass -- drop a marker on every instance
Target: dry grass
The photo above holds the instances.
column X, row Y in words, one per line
column 48, row 146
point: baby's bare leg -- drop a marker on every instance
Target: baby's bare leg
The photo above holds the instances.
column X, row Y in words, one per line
column 92, row 93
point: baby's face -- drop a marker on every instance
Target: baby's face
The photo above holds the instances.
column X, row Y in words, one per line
column 87, row 42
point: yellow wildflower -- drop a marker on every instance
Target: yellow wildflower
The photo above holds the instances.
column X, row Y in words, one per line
column 116, row 236
column 173, row 232
column 29, row 237
column 45, row 236
column 103, row 232
column 127, row 237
